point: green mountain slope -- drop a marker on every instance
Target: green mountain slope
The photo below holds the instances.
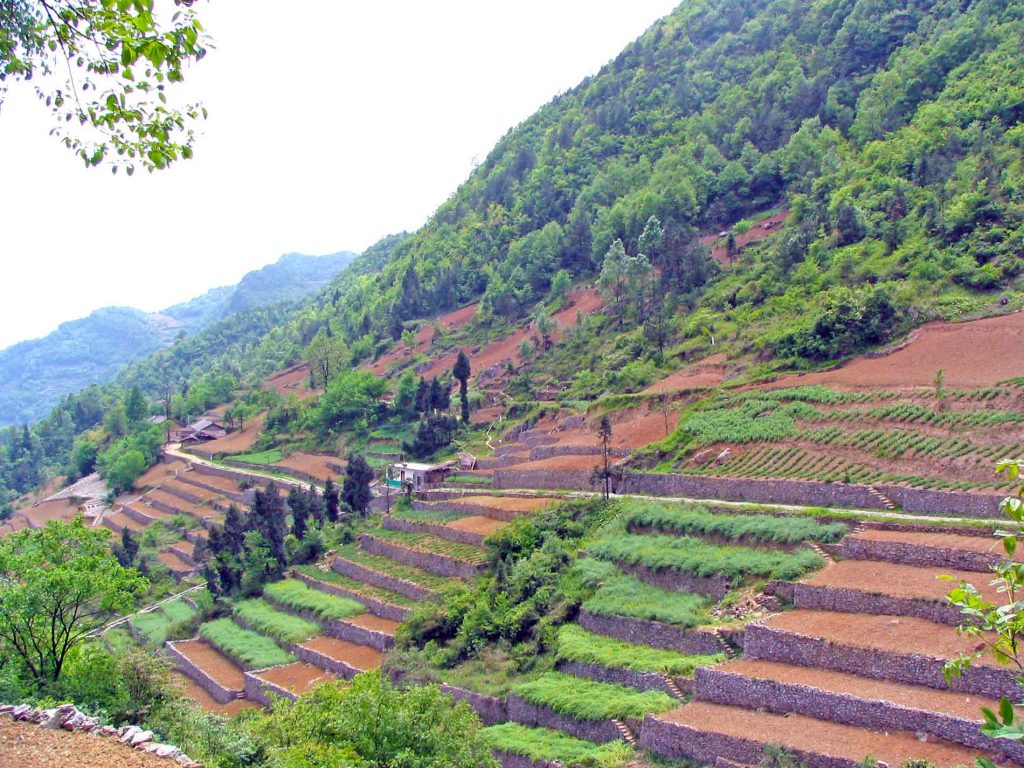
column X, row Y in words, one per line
column 34, row 374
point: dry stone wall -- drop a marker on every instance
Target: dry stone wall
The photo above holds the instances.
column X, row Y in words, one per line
column 441, row 531
column 720, row 686
column 382, row 580
column 220, row 694
column 856, row 601
column 653, row 633
column 912, row 554
column 524, row 712
column 490, row 709
column 715, row 587
column 338, row 628
column 428, row 561
column 642, row 681
column 256, row 689
column 511, row 760
column 376, row 607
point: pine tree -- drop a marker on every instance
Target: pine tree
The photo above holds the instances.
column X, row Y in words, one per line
column 232, row 535
column 462, row 372
column 315, row 505
column 300, row 512
column 331, row 501
column 355, row 492
column 270, row 521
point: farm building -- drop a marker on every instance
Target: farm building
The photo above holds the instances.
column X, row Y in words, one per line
column 200, row 431
column 418, row 476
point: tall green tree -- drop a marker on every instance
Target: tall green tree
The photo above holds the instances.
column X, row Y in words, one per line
column 462, row 371
column 57, row 584
column 331, row 501
column 355, row 491
column 120, row 59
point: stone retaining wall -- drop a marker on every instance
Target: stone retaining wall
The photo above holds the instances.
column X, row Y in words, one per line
column 522, row 711
column 239, row 497
column 186, row 556
column 511, row 760
column 220, row 694
column 382, row 580
column 764, row 642
column 317, row 659
column 642, row 681
column 256, row 689
column 680, row 741
column 392, row 523
column 428, row 561
column 653, row 633
column 139, row 516
column 799, row 492
column 719, row 686
column 490, row 709
column 551, row 451
column 181, row 493
column 494, row 513
column 714, row 587
column 855, row 601
column 374, row 606
column 294, row 474
column 913, row 554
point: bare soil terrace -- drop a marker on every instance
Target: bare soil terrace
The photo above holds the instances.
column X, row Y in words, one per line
column 214, row 663
column 297, row 677
column 904, row 581
column 359, row 656
column 24, row 745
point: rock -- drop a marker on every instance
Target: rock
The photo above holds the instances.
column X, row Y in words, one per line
column 723, row 457
column 53, row 718
column 74, row 722
column 107, row 730
column 166, row 750
column 141, row 738
column 128, row 733
column 89, row 724
column 6, row 709
column 19, row 711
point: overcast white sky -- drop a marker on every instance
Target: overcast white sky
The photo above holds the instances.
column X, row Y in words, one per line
column 331, row 125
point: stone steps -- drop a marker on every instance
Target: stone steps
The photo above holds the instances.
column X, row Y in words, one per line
column 852, row 700
column 902, row 649
column 703, row 731
column 925, row 549
column 865, row 586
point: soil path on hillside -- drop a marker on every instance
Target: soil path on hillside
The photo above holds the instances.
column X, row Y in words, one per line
column 755, row 234
column 704, row 374
column 24, row 745
column 978, row 353
column 424, row 338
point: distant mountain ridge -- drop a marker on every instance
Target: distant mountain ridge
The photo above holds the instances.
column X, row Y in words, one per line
column 35, row 374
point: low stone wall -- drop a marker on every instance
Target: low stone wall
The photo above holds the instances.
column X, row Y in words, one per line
column 239, row 497
column 764, row 642
column 138, row 515
column 511, row 760
column 653, row 633
column 382, row 580
column 551, row 451
column 220, row 694
column 186, row 556
column 374, row 606
column 856, row 601
column 256, row 689
column 522, row 711
column 490, row 709
column 428, row 561
column 317, row 659
column 799, row 492
column 913, row 554
column 675, row 740
column 339, row 628
column 392, row 523
column 642, row 681
column 494, row 513
column 719, row 686
column 181, row 493
column 714, row 587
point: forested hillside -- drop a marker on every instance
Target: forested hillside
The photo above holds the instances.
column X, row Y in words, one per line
column 34, row 374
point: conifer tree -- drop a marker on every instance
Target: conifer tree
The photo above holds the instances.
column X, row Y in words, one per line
column 462, row 372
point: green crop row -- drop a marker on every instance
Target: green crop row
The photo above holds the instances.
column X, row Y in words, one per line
column 689, row 555
column 296, row 595
column 619, row 594
column 393, row 568
column 430, row 543
column 158, row 624
column 250, row 649
column 546, row 745
column 369, row 590
column 579, row 645
column 912, row 413
column 267, row 620
column 756, row 529
column 588, row 700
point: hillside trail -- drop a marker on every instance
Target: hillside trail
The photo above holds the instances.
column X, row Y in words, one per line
column 174, row 449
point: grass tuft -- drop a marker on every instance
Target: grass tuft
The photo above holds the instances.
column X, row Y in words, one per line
column 579, row 645
column 545, row 745
column 250, row 649
column 267, row 620
column 296, row 595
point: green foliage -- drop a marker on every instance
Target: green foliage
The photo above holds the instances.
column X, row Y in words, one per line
column 619, row 594
column 579, row 645
column 58, row 584
column 689, row 555
column 267, row 620
column 250, row 649
column 543, row 744
column 750, row 528
column 295, row 594
column 588, row 700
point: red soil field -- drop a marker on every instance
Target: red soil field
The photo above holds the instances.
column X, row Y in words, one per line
column 485, row 526
column 510, row 503
column 487, row 415
column 905, row 634
column 24, row 745
column 58, row 509
column 559, row 463
column 158, row 473
column 293, row 381
column 359, row 656
column 978, row 353
column 297, row 677
column 213, row 662
column 904, row 581
column 312, row 464
column 238, row 441
column 199, row 695
column 797, row 732
column 940, row 541
column 753, row 235
column 369, row 621
column 400, row 352
column 15, row 523
column 186, row 508
column 916, row 696
column 632, row 428
column 706, row 374
column 585, row 301
column 223, row 483
column 122, row 520
column 174, row 562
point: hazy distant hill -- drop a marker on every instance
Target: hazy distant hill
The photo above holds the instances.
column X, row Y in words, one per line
column 34, row 374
